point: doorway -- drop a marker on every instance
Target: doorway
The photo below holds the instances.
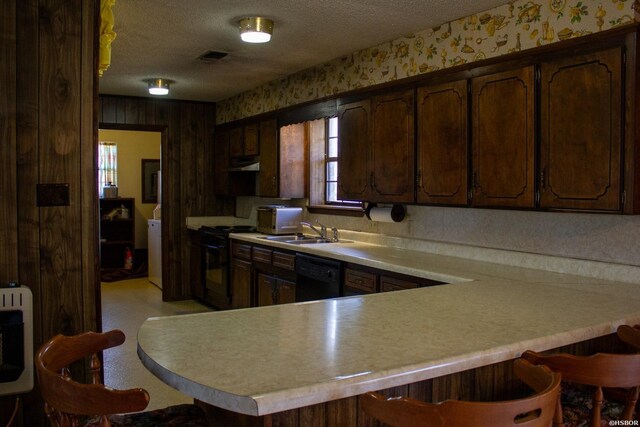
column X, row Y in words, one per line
column 138, row 185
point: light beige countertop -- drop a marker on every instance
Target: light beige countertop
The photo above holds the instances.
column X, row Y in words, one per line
column 263, row 360
column 195, row 222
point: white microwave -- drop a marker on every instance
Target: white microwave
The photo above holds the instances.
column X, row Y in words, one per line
column 279, row 219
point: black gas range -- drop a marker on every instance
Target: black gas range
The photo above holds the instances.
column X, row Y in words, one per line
column 214, row 287
column 223, row 231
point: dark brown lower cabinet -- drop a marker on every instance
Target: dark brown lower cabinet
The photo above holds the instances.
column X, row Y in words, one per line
column 360, row 280
column 390, row 284
column 273, row 290
column 240, row 283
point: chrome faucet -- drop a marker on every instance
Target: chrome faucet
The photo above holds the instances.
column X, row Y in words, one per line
column 322, row 232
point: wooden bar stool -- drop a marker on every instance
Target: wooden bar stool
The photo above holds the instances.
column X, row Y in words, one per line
column 630, row 335
column 70, row 403
column 533, row 411
column 596, row 372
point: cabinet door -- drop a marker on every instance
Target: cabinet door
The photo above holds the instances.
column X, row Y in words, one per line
column 442, row 144
column 581, row 121
column 503, row 139
column 353, row 151
column 392, row 148
column 236, row 142
column 269, row 159
column 267, row 288
column 221, row 164
column 251, row 146
column 286, row 292
column 293, row 161
column 240, row 284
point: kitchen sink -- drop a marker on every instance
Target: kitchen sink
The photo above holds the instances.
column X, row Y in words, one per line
column 298, row 239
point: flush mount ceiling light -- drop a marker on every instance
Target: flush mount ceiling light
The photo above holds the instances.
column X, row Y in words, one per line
column 158, row 86
column 255, row 29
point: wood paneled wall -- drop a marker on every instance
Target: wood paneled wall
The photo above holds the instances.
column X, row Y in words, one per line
column 48, row 127
column 187, row 172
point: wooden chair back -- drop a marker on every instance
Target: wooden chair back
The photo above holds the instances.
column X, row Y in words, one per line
column 630, row 335
column 599, row 370
column 67, row 402
column 533, row 411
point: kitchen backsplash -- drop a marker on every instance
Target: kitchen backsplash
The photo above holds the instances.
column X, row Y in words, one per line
column 594, row 237
column 516, row 26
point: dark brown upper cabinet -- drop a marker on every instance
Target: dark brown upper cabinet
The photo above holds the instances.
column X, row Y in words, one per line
column 581, row 139
column 269, row 159
column 226, row 183
column 393, row 148
column 503, row 139
column 442, row 121
column 244, row 141
column 354, row 150
column 376, row 149
column 282, row 160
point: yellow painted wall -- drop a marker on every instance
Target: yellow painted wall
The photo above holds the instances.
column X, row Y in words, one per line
column 133, row 146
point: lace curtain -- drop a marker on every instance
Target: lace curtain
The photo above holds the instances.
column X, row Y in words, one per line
column 107, row 165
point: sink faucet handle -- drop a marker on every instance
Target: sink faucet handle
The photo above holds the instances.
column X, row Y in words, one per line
column 335, row 238
column 323, row 229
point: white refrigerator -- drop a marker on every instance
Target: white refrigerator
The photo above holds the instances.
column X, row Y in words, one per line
column 155, row 251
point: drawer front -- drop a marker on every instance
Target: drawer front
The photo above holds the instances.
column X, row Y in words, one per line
column 283, row 260
column 360, row 280
column 388, row 284
column 241, row 251
column 262, row 255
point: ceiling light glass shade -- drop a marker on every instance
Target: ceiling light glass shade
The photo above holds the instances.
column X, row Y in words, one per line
column 255, row 30
column 158, row 86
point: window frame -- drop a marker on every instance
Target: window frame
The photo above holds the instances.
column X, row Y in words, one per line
column 337, row 207
column 105, row 172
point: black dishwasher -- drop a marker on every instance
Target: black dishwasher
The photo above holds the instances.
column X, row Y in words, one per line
column 318, row 278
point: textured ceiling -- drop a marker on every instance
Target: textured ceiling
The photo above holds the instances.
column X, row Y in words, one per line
column 164, row 38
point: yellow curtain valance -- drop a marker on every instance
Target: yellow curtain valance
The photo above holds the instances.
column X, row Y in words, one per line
column 107, row 35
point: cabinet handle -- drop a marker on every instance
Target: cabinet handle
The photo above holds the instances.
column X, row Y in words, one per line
column 542, row 178
column 419, row 179
column 371, row 180
column 275, row 294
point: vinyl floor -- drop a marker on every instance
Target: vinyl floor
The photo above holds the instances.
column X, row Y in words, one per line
column 126, row 305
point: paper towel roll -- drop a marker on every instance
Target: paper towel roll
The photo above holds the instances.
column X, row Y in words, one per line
column 380, row 214
column 395, row 214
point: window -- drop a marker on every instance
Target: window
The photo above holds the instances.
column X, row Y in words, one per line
column 107, row 164
column 331, row 162
column 331, row 169
column 324, row 141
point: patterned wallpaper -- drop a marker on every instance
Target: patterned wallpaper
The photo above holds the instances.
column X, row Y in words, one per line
column 519, row 25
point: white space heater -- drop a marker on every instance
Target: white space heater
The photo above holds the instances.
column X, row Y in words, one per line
column 16, row 340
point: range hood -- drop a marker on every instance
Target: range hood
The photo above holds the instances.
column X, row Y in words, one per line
column 253, row 166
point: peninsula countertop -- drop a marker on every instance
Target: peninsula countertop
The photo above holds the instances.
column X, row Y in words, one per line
column 264, row 360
